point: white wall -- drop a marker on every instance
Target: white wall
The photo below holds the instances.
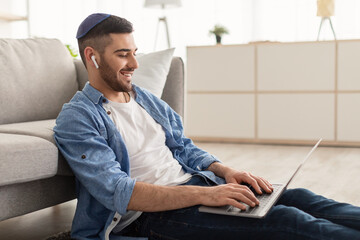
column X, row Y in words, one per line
column 247, row 20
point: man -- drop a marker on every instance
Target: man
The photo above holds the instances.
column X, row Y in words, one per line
column 138, row 175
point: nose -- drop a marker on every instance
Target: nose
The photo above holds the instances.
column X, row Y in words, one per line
column 133, row 63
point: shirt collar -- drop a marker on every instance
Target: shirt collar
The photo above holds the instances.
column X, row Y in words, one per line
column 93, row 94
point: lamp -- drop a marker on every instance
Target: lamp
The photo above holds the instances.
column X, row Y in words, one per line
column 162, row 4
column 325, row 9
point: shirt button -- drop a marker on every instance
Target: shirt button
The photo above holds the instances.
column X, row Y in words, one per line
column 108, row 112
column 115, row 219
column 83, row 156
column 104, row 100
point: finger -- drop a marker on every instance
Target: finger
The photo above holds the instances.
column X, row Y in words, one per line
column 244, row 199
column 250, row 195
column 237, row 204
column 268, row 187
column 241, row 187
column 247, row 188
column 264, row 186
column 245, row 195
column 254, row 182
column 267, row 182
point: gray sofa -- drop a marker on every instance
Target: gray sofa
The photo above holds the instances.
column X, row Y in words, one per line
column 37, row 76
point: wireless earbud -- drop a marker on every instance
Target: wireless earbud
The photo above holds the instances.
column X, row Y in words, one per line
column 94, row 61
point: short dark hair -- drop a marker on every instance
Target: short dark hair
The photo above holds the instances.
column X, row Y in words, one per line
column 98, row 37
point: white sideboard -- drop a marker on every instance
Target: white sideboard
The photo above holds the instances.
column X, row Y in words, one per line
column 274, row 92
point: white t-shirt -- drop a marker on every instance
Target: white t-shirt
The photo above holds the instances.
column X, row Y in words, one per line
column 151, row 160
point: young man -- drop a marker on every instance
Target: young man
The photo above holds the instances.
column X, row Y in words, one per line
column 138, row 175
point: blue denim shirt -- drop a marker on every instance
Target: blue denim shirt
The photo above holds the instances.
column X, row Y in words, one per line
column 96, row 152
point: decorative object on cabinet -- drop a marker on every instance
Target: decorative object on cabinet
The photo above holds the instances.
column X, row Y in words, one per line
column 325, row 9
column 218, row 31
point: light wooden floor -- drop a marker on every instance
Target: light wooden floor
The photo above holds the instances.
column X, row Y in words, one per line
column 332, row 172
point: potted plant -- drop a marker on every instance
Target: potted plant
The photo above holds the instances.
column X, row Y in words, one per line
column 218, row 31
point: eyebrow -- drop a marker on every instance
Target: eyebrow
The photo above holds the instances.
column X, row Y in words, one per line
column 124, row 50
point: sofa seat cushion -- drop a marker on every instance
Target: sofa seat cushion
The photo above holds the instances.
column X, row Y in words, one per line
column 42, row 129
column 26, row 158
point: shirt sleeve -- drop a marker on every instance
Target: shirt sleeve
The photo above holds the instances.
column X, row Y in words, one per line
column 83, row 142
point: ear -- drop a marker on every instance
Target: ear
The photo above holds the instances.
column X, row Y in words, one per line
column 88, row 53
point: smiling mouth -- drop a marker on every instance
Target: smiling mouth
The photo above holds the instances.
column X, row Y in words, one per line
column 126, row 74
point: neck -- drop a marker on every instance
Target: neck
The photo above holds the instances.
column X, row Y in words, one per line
column 126, row 96
column 120, row 97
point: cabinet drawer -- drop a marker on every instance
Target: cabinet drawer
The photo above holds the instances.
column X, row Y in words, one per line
column 296, row 116
column 296, row 67
column 220, row 115
column 348, row 65
column 349, row 117
column 223, row 68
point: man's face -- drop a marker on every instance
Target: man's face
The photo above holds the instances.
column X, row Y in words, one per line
column 117, row 63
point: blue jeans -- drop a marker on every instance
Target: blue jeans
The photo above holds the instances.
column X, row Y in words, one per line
column 299, row 214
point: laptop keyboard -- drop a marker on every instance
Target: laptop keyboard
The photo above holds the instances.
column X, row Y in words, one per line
column 263, row 199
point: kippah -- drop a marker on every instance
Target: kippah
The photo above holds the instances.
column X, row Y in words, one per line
column 90, row 22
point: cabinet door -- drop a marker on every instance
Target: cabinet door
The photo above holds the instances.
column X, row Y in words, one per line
column 296, row 67
column 220, row 115
column 349, row 117
column 348, row 65
column 221, row 68
column 296, row 116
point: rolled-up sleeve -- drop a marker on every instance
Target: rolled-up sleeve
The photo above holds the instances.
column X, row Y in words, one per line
column 83, row 142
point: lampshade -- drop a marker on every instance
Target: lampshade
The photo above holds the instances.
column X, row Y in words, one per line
column 325, row 8
column 162, row 3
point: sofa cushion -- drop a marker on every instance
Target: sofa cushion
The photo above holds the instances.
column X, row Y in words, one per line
column 153, row 70
column 37, row 76
column 26, row 158
column 42, row 129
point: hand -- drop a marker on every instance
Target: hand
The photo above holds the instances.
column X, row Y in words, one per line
column 239, row 177
column 228, row 194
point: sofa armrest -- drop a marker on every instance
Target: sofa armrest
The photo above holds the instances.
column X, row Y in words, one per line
column 173, row 92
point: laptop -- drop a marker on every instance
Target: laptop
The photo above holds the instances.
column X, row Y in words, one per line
column 266, row 200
